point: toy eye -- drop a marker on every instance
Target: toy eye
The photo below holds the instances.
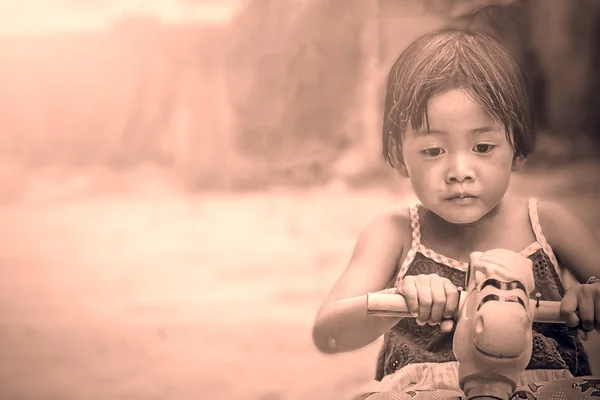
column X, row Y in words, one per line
column 492, row 282
column 515, row 299
column 489, row 297
column 503, row 285
column 515, row 285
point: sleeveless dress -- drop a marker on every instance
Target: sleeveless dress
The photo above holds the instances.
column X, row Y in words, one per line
column 555, row 346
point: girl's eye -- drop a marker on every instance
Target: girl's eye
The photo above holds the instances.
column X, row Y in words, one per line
column 484, row 148
column 433, row 152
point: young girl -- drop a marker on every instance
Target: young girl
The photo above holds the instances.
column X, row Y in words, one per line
column 457, row 124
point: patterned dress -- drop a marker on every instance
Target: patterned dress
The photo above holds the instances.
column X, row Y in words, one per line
column 555, row 346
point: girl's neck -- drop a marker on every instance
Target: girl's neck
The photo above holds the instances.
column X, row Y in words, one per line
column 463, row 233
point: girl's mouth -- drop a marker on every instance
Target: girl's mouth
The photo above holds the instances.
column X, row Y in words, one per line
column 463, row 199
column 461, row 195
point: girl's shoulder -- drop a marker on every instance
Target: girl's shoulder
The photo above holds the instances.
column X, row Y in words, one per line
column 550, row 215
column 558, row 221
column 553, row 215
column 546, row 209
column 380, row 246
column 567, row 232
column 393, row 225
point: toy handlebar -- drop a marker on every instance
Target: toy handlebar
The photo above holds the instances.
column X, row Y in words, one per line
column 394, row 305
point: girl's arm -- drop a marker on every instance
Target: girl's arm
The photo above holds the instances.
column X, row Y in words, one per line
column 342, row 323
column 579, row 250
column 572, row 240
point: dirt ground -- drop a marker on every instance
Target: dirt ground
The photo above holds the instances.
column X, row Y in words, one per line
column 142, row 292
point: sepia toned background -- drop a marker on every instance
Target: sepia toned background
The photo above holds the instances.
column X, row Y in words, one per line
column 181, row 182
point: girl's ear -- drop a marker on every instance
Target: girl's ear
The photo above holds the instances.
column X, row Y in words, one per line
column 518, row 162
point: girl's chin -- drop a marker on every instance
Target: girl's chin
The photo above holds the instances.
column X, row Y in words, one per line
column 462, row 216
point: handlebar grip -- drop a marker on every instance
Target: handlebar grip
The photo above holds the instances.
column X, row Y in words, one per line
column 546, row 311
column 394, row 305
column 387, row 305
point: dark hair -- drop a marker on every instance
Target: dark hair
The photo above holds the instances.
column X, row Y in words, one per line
column 450, row 59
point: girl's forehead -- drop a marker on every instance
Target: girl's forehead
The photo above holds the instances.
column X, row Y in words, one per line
column 452, row 99
column 456, row 108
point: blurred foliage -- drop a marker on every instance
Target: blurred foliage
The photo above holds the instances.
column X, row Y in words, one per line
column 98, row 97
column 294, row 73
column 139, row 93
column 288, row 92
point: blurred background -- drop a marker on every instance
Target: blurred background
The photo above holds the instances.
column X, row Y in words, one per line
column 182, row 181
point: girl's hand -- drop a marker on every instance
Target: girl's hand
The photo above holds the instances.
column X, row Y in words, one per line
column 581, row 307
column 430, row 298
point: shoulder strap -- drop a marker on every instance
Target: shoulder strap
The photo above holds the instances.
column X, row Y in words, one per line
column 535, row 221
column 415, row 225
column 537, row 230
column 413, row 211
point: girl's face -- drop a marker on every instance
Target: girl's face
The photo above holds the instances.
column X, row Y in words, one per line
column 460, row 168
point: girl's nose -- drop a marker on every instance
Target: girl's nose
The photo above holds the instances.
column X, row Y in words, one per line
column 459, row 170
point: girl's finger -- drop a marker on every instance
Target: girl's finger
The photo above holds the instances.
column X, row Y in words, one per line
column 447, row 325
column 568, row 307
column 586, row 311
column 425, row 302
column 408, row 289
column 438, row 301
column 452, row 298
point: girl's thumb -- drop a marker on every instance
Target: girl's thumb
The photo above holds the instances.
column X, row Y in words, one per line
column 447, row 325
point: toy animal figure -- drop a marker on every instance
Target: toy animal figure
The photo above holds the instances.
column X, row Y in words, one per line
column 493, row 337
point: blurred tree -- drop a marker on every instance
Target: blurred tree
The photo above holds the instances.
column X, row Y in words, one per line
column 562, row 33
column 294, row 72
